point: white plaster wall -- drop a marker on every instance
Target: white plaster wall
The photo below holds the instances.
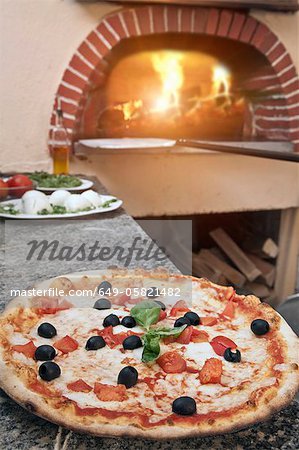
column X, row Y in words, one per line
column 286, row 27
column 37, row 40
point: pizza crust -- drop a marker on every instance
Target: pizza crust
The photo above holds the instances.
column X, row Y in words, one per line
column 36, row 404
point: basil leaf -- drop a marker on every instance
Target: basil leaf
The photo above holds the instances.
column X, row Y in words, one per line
column 176, row 331
column 151, row 349
column 151, row 341
column 146, row 313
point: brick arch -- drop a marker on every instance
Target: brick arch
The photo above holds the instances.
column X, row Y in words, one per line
column 87, row 67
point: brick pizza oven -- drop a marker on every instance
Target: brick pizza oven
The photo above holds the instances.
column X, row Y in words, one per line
column 265, row 72
column 107, row 89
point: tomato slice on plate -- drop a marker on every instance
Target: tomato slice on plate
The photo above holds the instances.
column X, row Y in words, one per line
column 211, row 371
column 66, row 345
column 19, row 184
column 172, row 362
column 27, row 349
column 221, row 343
column 79, row 386
column 3, row 189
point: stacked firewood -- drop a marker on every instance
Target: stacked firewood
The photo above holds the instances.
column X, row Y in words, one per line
column 249, row 269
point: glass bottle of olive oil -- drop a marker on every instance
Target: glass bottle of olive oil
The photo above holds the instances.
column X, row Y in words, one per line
column 60, row 145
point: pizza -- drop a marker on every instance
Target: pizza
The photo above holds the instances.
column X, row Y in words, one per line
column 146, row 354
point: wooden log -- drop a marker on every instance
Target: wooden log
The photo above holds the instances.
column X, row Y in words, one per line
column 233, row 275
column 267, row 269
column 223, row 281
column 271, row 298
column 201, row 269
column 219, row 253
column 262, row 247
column 234, row 252
column 258, row 289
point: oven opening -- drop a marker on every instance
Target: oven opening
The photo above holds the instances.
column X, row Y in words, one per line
column 180, row 86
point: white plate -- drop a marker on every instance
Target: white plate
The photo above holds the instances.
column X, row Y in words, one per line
column 86, row 184
column 127, row 143
column 17, row 204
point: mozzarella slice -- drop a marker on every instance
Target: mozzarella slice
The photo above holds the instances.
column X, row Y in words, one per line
column 34, row 202
column 58, row 198
column 93, row 197
column 75, row 202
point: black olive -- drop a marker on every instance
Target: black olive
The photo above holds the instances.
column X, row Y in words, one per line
column 182, row 321
column 45, row 353
column 162, row 306
column 112, row 319
column 152, row 292
column 49, row 370
column 46, row 330
column 95, row 342
column 231, row 356
column 102, row 303
column 128, row 376
column 104, row 288
column 193, row 317
column 128, row 322
column 132, row 342
column 184, row 406
column 259, row 327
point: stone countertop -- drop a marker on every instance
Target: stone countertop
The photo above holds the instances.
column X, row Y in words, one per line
column 20, row 429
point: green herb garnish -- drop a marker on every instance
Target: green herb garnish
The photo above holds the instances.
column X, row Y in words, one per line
column 55, row 210
column 9, row 208
column 47, row 180
column 61, row 210
column 146, row 313
column 151, row 341
column 108, row 203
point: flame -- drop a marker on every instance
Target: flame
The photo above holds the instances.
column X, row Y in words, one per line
column 168, row 66
column 221, row 80
column 129, row 108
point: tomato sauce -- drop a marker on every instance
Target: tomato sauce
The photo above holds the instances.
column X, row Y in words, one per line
column 144, row 420
column 40, row 388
